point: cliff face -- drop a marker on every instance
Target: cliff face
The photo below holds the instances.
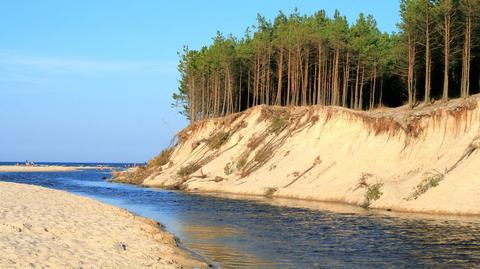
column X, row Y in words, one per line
column 423, row 160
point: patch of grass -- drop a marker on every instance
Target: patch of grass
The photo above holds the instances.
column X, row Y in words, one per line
column 430, row 181
column 187, row 170
column 373, row 193
column 228, row 169
column 162, row 159
column 270, row 191
column 242, row 161
column 137, row 177
column 263, row 155
column 255, row 141
column 218, row 140
column 277, row 125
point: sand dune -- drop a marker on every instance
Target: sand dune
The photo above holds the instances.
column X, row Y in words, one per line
column 48, row 228
column 421, row 160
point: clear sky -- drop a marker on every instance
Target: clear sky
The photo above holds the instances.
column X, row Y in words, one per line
column 91, row 80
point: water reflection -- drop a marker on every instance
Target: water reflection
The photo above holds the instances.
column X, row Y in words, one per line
column 284, row 233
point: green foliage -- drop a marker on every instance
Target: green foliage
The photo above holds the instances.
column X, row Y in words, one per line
column 373, row 193
column 218, row 140
column 432, row 179
column 281, row 62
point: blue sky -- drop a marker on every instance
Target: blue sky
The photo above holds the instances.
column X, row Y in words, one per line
column 92, row 80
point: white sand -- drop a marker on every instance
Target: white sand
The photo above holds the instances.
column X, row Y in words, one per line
column 327, row 150
column 45, row 228
column 49, row 168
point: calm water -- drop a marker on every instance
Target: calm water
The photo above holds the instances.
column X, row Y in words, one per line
column 264, row 233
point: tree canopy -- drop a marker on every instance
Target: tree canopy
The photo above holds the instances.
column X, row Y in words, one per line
column 298, row 60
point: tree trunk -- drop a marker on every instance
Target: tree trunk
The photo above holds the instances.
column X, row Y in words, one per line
column 335, row 94
column 346, row 76
column 192, row 98
column 319, row 80
column 380, row 99
column 465, row 82
column 374, row 87
column 305, row 81
column 411, row 66
column 355, row 105
column 289, row 78
column 360, row 101
column 248, row 89
column 278, row 100
column 428, row 61
column 446, row 53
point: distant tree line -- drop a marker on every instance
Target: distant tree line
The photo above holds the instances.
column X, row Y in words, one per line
column 299, row 60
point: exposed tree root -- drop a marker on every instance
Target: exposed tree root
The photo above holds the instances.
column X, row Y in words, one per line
column 475, row 145
column 315, row 163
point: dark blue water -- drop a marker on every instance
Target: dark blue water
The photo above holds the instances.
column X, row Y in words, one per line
column 259, row 234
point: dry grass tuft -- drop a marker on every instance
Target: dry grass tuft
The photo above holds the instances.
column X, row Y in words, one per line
column 269, row 112
column 362, row 182
column 242, row 161
column 136, row 178
column 162, row 159
column 228, row 169
column 218, row 140
column 255, row 141
column 277, row 125
column 270, row 191
column 263, row 155
column 187, row 170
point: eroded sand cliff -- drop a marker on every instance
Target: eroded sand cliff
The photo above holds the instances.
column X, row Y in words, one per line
column 422, row 160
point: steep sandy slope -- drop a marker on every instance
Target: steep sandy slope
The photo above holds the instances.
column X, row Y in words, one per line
column 424, row 159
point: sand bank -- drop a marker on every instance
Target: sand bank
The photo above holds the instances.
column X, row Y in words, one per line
column 46, row 168
column 425, row 159
column 40, row 227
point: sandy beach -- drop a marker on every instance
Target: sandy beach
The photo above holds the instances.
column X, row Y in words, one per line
column 46, row 168
column 47, row 228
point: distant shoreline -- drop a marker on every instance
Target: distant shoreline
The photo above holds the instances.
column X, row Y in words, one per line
column 42, row 168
